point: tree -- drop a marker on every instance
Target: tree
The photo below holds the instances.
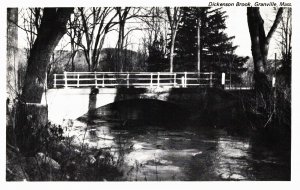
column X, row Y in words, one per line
column 155, row 39
column 174, row 16
column 29, row 23
column 215, row 46
column 187, row 37
column 12, row 57
column 51, row 30
column 156, row 59
column 30, row 20
column 260, row 46
column 285, row 44
column 75, row 37
column 96, row 23
column 124, row 14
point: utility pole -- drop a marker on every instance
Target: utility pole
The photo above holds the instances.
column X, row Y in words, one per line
column 199, row 46
column 274, row 84
column 230, row 68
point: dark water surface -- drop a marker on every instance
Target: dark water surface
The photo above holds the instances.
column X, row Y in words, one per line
column 190, row 153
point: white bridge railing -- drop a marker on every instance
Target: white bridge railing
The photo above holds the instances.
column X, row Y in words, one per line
column 137, row 79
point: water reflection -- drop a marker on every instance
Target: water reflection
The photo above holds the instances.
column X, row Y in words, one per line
column 231, row 163
column 156, row 153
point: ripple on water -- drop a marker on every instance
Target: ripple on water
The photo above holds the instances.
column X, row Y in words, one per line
column 165, row 154
column 227, row 176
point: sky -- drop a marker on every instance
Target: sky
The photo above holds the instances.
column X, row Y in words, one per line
column 236, row 26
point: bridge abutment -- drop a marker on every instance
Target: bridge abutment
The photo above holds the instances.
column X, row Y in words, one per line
column 72, row 103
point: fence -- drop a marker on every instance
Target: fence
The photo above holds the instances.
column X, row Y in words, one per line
column 137, row 79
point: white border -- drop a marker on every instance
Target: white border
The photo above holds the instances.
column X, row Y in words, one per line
column 150, row 185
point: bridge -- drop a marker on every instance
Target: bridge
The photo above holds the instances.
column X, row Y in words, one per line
column 75, row 93
column 134, row 79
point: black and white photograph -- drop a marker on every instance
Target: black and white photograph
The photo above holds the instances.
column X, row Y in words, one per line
column 198, row 92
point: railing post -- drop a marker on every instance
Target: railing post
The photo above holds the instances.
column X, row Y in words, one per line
column 182, row 81
column 96, row 85
column 174, row 79
column 54, row 85
column 223, row 80
column 66, row 79
column 103, row 80
column 127, row 80
column 158, row 78
column 199, row 79
column 46, row 81
column 151, row 79
column 185, row 79
column 78, row 80
column 210, row 79
column 273, row 82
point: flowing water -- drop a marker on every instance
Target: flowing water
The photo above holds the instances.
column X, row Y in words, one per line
column 189, row 153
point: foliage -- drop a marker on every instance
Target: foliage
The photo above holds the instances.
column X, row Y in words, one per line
column 156, row 59
column 216, row 48
column 285, row 44
column 48, row 154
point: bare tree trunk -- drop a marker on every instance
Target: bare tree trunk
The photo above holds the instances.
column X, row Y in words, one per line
column 52, row 29
column 73, row 54
column 12, row 57
column 120, row 55
column 260, row 47
column 260, row 42
column 172, row 51
column 174, row 19
column 72, row 61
